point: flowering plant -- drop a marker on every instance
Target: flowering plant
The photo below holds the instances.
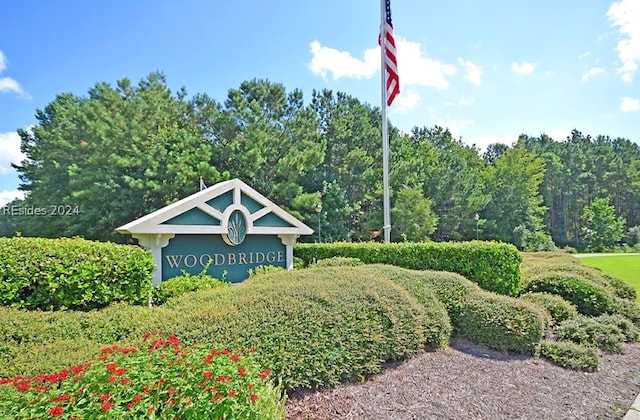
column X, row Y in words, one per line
column 164, row 380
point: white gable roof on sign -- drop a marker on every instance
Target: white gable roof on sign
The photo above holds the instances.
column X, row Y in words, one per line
column 208, row 212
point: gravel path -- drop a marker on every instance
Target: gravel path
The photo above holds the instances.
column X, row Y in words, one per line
column 466, row 381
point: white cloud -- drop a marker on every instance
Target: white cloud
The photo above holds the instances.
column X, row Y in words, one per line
column 525, row 68
column 8, row 196
column 464, row 101
column 341, row 64
column 594, row 71
column 406, row 101
column 414, row 69
column 473, row 72
column 8, row 84
column 625, row 15
column 584, row 55
column 9, row 151
column 629, row 104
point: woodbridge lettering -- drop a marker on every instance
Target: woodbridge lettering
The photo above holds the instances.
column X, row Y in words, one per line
column 218, row 259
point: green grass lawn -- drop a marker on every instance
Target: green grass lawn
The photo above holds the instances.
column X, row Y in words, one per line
column 626, row 267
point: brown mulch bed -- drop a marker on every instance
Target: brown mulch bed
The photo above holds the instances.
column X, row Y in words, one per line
column 467, row 381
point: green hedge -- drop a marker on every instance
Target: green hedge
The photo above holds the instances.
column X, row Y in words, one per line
column 38, row 273
column 613, row 285
column 312, row 327
column 590, row 298
column 603, row 334
column 571, row 355
column 317, row 326
column 501, row 322
column 559, row 308
column 494, row 266
column 498, row 322
column 179, row 285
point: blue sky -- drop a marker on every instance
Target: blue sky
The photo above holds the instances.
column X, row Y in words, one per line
column 488, row 70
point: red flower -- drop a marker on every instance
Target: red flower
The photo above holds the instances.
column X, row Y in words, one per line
column 235, row 358
column 171, row 390
column 232, row 393
column 254, row 397
column 111, row 367
column 76, row 369
column 105, row 397
column 63, row 397
column 22, row 386
column 131, row 405
column 125, row 381
column 242, row 371
column 263, row 375
column 120, row 371
column 106, row 406
column 56, row 411
column 138, row 397
column 250, row 387
column 217, row 398
column 223, row 379
column 112, row 379
column 208, row 375
column 151, row 410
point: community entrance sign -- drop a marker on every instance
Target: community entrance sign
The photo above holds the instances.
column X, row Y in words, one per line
column 227, row 229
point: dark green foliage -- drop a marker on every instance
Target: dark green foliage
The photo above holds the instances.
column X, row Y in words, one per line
column 180, row 285
column 626, row 327
column 570, row 355
column 314, row 327
column 50, row 357
column 589, row 298
column 501, row 322
column 592, row 332
column 620, row 287
column 337, row 262
column 559, row 308
column 628, row 309
column 424, row 292
column 47, row 274
column 495, row 267
column 451, row 289
column 613, row 285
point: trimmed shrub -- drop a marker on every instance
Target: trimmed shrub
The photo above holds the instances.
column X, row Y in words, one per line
column 336, row 262
column 570, row 355
column 613, row 285
column 50, row 357
column 72, row 273
column 626, row 327
column 317, row 326
column 589, row 298
column 559, row 308
column 451, row 289
column 628, row 309
column 422, row 291
column 501, row 322
column 493, row 266
column 591, row 332
column 180, row 285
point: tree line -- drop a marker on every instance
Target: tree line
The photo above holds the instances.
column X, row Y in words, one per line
column 122, row 151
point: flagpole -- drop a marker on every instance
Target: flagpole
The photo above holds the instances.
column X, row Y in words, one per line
column 385, row 134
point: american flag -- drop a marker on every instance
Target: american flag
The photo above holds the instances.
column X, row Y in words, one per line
column 391, row 65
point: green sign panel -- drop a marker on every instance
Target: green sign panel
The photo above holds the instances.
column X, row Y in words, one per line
column 192, row 253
